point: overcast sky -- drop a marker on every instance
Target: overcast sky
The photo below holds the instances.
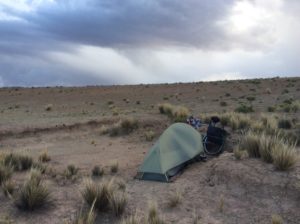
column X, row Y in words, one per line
column 100, row 42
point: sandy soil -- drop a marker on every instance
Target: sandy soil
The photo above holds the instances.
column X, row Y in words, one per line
column 250, row 190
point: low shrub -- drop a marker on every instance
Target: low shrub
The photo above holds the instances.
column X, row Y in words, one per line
column 97, row 171
column 243, row 108
column 18, row 161
column 285, row 123
column 33, row 194
column 223, row 104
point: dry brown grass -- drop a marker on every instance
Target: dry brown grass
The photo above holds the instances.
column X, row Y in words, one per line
column 98, row 192
column 97, row 171
column 250, row 143
column 44, row 157
column 5, row 173
column 276, row 219
column 153, row 216
column 118, row 202
column 114, row 168
column 18, row 161
column 33, row 194
column 176, row 113
column 85, row 217
column 149, row 135
column 284, row 156
column 175, row 198
column 132, row 219
column 8, row 188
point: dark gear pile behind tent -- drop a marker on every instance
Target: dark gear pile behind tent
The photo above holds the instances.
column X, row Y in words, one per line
column 178, row 145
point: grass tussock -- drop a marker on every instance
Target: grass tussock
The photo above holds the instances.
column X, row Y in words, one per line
column 114, row 167
column 285, row 123
column 276, row 219
column 270, row 148
column 239, row 154
column 18, row 161
column 132, row 219
column 153, row 216
column 5, row 173
column 85, row 217
column 250, row 143
column 176, row 113
column 149, row 135
column 8, row 188
column 71, row 171
column 284, row 156
column 118, row 202
column 44, row 157
column 97, row 171
column 33, row 194
column 175, row 198
column 123, row 127
column 243, row 108
column 98, row 192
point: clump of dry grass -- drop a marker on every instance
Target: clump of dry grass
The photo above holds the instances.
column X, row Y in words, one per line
column 239, row 154
column 114, row 167
column 284, row 156
column 153, row 216
column 44, row 157
column 250, row 143
column 271, row 149
column 85, row 217
column 266, row 145
column 71, row 171
column 175, row 198
column 118, row 202
column 48, row 107
column 97, row 171
column 149, row 135
column 180, row 113
column 33, row 194
column 8, row 188
column 121, row 184
column 100, row 193
column 276, row 219
column 18, row 161
column 5, row 173
column 132, row 219
column 221, row 204
column 176, row 113
column 285, row 123
column 39, row 166
column 123, row 127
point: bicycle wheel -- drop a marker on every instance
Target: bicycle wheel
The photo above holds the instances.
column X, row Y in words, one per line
column 211, row 148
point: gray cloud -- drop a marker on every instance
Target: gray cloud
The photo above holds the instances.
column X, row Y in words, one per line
column 48, row 45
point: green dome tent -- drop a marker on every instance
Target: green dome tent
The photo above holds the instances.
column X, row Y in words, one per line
column 179, row 144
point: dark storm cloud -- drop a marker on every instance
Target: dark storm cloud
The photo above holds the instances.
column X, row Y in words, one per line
column 115, row 23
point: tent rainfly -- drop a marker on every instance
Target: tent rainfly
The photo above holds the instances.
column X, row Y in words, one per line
column 178, row 145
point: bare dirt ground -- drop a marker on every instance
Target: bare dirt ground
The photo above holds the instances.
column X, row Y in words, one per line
column 222, row 190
